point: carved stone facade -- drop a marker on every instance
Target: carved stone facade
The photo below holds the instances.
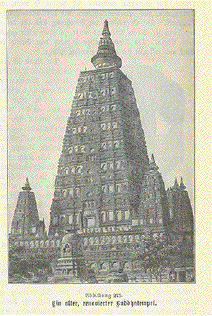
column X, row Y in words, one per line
column 153, row 208
column 104, row 167
column 103, row 158
column 181, row 214
column 106, row 189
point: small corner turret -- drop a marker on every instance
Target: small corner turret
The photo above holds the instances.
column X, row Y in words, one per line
column 26, row 186
column 180, row 208
column 25, row 218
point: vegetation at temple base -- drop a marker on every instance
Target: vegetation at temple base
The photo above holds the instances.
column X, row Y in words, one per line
column 116, row 276
column 158, row 255
column 155, row 261
column 27, row 267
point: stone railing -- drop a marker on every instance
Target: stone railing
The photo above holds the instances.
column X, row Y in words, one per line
column 35, row 242
column 111, row 229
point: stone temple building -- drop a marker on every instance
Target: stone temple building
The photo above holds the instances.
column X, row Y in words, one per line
column 108, row 192
column 105, row 178
column 26, row 219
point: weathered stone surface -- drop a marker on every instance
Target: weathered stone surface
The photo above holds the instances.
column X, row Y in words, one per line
column 181, row 214
column 25, row 220
column 104, row 155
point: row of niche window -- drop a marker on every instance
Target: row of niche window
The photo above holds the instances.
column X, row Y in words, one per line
column 74, row 169
column 83, row 112
column 79, row 129
column 93, row 94
column 87, row 204
column 110, row 165
column 119, row 188
column 106, row 216
column 104, row 127
column 105, row 265
column 65, row 219
column 108, row 126
column 106, row 75
column 70, row 192
column 107, row 108
column 109, row 215
column 109, row 144
column 104, row 146
column 91, row 158
column 76, row 149
column 16, row 230
column 111, row 239
column 19, row 227
column 75, row 219
column 103, row 109
column 150, row 220
column 117, row 239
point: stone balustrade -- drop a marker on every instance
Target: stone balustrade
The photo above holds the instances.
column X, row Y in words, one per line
column 36, row 243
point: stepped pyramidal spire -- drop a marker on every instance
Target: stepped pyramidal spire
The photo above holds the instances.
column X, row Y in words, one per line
column 25, row 218
column 27, row 185
column 105, row 183
column 180, row 208
column 106, row 55
column 104, row 154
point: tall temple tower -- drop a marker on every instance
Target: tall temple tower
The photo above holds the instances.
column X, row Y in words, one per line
column 104, row 168
column 109, row 198
column 25, row 218
column 181, row 214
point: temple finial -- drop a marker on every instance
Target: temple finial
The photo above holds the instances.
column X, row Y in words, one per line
column 106, row 32
column 182, row 185
column 27, row 186
column 153, row 164
column 106, row 55
column 176, row 185
column 152, row 158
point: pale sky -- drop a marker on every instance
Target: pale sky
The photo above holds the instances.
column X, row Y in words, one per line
column 46, row 52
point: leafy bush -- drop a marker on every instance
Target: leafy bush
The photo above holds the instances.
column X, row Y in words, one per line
column 26, row 265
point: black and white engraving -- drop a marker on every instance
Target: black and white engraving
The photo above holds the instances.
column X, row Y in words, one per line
column 112, row 217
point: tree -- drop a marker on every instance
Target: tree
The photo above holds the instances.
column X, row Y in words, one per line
column 157, row 255
column 24, row 264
